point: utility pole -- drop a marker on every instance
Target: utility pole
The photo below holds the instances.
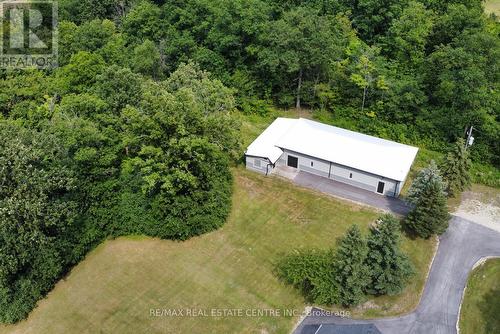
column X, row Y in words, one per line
column 470, row 139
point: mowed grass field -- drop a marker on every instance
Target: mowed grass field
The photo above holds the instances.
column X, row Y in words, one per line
column 116, row 286
column 480, row 312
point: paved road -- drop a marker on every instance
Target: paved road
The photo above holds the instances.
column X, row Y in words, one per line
column 346, row 191
column 462, row 246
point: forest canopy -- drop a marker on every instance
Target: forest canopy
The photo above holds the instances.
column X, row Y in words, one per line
column 420, row 72
column 136, row 130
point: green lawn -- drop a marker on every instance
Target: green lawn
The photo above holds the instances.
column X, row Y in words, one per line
column 480, row 312
column 114, row 288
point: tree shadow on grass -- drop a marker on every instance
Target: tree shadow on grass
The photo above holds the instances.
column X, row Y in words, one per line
column 490, row 311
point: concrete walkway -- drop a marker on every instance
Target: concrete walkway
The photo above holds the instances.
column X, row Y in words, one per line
column 345, row 191
column 461, row 247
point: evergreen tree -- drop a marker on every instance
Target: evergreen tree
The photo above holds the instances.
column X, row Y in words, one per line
column 389, row 267
column 428, row 175
column 351, row 272
column 430, row 215
column 456, row 169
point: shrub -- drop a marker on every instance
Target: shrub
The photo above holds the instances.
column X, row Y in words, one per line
column 487, row 175
column 37, row 209
column 312, row 273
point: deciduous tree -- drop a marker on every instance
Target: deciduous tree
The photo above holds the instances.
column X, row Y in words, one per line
column 302, row 45
column 37, row 209
column 408, row 36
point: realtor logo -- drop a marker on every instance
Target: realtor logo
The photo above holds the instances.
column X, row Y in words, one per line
column 28, row 33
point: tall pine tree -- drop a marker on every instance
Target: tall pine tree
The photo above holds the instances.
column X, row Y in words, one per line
column 430, row 215
column 351, row 272
column 426, row 176
column 456, row 169
column 389, row 267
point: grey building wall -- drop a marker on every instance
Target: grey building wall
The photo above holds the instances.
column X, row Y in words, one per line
column 363, row 180
column 259, row 165
column 343, row 174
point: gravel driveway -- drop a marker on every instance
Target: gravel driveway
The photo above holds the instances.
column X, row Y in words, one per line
column 461, row 247
column 481, row 208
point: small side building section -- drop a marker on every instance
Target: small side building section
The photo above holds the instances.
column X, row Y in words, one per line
column 260, row 165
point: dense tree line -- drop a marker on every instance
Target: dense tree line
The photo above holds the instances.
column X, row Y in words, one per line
column 417, row 71
column 131, row 134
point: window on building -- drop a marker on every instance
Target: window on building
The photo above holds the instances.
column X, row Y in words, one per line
column 312, row 164
column 350, row 176
column 257, row 163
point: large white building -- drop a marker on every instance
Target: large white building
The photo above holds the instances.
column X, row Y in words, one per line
column 363, row 161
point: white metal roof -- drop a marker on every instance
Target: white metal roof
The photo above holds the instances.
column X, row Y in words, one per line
column 265, row 145
column 366, row 153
